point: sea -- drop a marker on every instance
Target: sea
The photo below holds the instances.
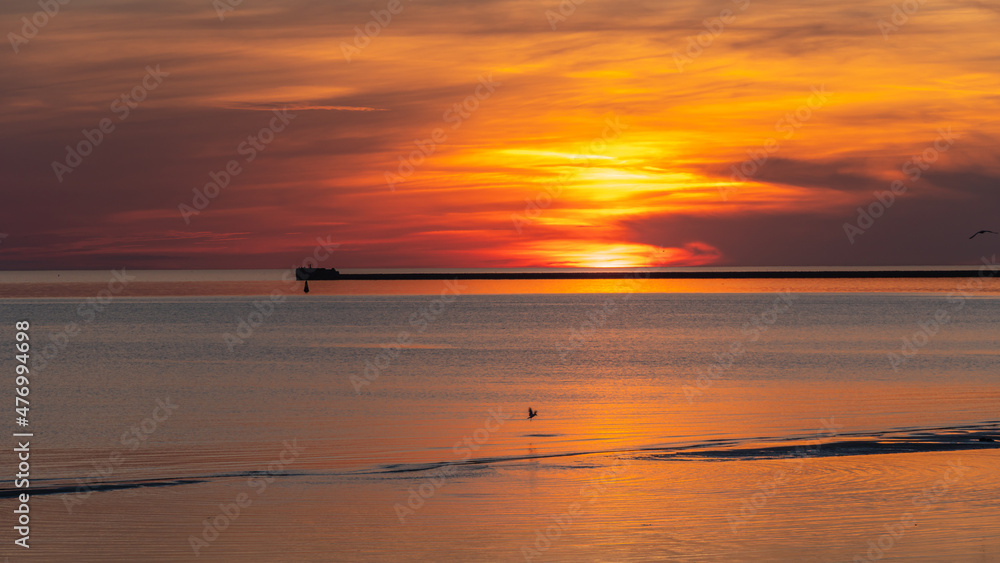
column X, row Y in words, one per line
column 230, row 416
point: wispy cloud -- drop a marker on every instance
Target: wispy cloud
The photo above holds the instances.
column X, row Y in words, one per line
column 657, row 185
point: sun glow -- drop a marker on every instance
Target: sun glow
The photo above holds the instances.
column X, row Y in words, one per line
column 605, row 254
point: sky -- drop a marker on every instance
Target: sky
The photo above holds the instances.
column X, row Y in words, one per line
column 451, row 134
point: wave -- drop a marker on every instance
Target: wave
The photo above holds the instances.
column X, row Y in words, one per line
column 829, row 449
column 68, row 489
column 982, row 436
column 901, row 440
column 80, row 485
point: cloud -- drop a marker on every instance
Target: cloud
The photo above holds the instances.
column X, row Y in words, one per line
column 657, row 184
column 294, row 106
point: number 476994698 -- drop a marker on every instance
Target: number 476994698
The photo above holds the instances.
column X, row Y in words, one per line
column 21, row 369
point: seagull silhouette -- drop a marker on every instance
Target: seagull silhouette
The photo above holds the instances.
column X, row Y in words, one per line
column 531, row 413
column 983, row 232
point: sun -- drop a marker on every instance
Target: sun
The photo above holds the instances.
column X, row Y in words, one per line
column 594, row 254
column 607, row 254
column 610, row 258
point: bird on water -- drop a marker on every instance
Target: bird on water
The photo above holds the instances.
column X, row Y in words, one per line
column 531, row 413
column 984, row 232
column 306, row 289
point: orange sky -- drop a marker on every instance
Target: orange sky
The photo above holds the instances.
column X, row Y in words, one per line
column 610, row 140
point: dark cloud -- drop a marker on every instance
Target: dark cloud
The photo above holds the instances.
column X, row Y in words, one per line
column 324, row 175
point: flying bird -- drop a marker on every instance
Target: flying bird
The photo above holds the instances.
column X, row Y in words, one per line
column 531, row 413
column 983, row 232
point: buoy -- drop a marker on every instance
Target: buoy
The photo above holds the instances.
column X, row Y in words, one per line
column 306, row 290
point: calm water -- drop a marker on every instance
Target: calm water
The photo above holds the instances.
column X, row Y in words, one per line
column 735, row 423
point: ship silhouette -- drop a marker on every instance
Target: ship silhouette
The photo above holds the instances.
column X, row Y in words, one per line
column 306, row 274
